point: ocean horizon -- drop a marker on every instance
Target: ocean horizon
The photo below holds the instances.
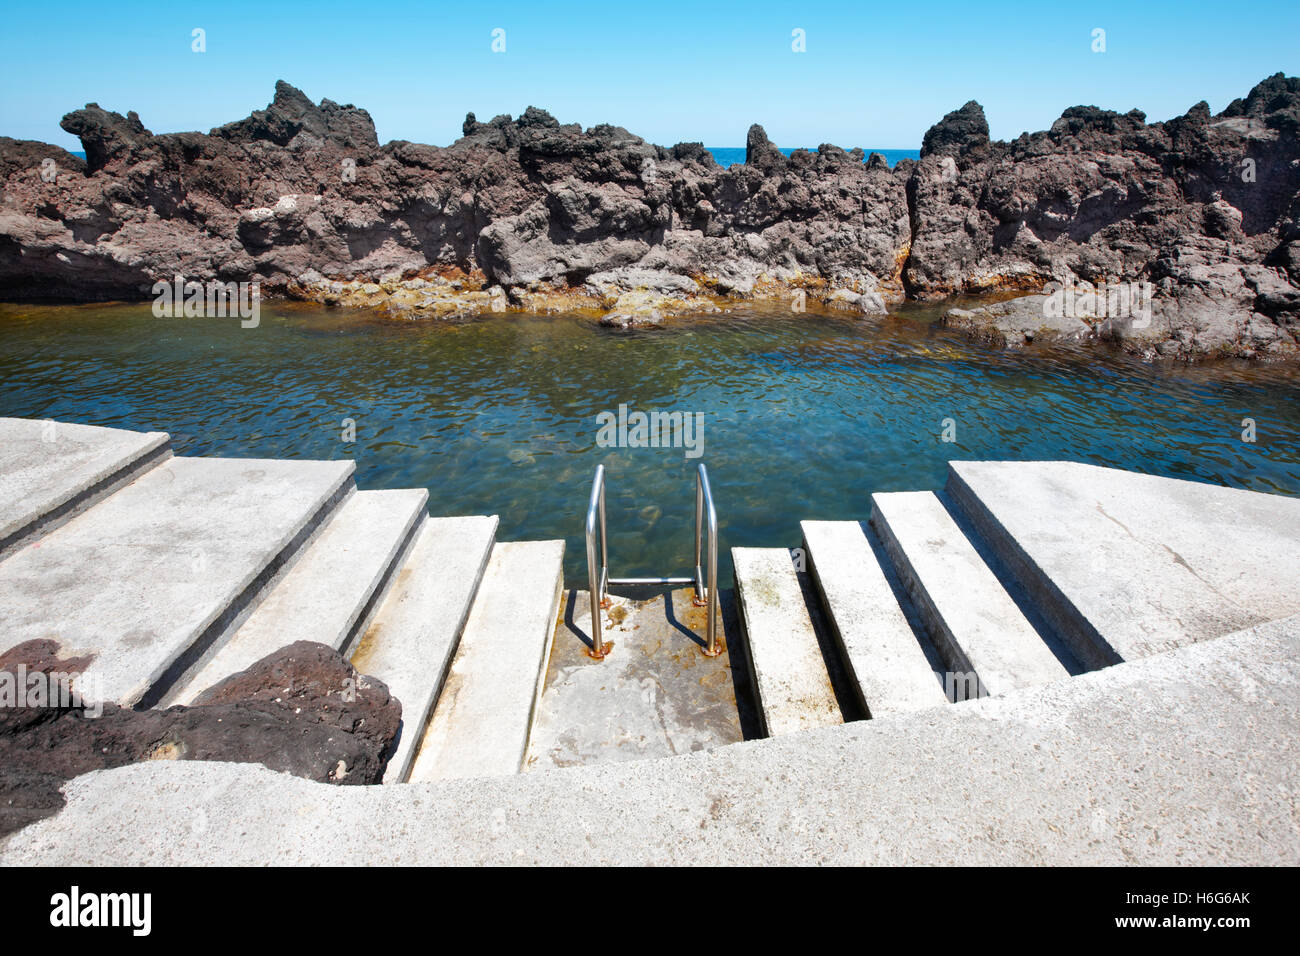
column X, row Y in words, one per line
column 730, row 155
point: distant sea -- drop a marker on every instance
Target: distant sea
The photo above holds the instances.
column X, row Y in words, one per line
column 730, row 155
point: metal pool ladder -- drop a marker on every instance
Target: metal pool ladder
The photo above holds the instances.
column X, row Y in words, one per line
column 706, row 518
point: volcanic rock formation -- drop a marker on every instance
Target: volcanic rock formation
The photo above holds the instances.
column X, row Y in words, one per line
column 302, row 710
column 534, row 214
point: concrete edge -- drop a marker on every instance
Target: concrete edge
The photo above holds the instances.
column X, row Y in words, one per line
column 384, row 583
column 157, row 450
column 399, row 772
column 1078, row 633
column 833, row 625
column 540, row 686
column 762, row 811
column 223, row 623
column 953, row 655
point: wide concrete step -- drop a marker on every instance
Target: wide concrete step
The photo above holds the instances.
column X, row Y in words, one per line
column 977, row 627
column 884, row 658
column 1127, row 565
column 328, row 593
column 790, row 676
column 413, row 636
column 148, row 578
column 51, row 471
column 481, row 723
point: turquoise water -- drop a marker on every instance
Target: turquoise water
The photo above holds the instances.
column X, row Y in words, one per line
column 730, row 155
column 804, row 415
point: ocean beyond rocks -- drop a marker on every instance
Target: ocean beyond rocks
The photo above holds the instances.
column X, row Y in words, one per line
column 534, row 215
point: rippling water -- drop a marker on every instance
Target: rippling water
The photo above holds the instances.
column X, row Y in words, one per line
column 804, row 416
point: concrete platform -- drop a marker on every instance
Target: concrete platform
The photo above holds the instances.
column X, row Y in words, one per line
column 328, row 593
column 1129, row 565
column 50, row 471
column 790, row 676
column 1182, row 759
column 654, row 695
column 155, row 570
column 883, row 655
column 410, row 643
column 481, row 722
column 975, row 624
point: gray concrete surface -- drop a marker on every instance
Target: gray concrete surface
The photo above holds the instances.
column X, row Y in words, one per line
column 1129, row 565
column 654, row 695
column 975, row 624
column 790, row 676
column 138, row 580
column 413, row 636
column 1183, row 759
column 50, row 471
column 480, row 724
column 881, row 651
column 328, row 591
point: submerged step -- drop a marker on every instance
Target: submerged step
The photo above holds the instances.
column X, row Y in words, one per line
column 410, row 642
column 884, row 658
column 974, row 622
column 326, row 594
column 49, row 471
column 481, row 723
column 154, row 570
column 790, row 676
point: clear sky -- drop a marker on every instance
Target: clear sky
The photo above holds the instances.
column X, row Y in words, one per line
column 874, row 74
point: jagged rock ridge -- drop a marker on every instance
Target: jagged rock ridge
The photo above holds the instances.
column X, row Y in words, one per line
column 532, row 213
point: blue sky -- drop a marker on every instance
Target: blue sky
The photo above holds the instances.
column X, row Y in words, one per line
column 874, row 74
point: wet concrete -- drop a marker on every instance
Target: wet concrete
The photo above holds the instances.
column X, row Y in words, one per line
column 654, row 695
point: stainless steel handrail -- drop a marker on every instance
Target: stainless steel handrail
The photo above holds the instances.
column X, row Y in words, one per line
column 704, row 509
column 597, row 575
column 706, row 546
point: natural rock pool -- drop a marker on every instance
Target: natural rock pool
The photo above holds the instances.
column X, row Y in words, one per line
column 803, row 415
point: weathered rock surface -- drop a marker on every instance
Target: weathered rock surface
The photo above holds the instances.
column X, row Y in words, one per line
column 302, row 710
column 1206, row 208
column 1017, row 322
column 302, row 198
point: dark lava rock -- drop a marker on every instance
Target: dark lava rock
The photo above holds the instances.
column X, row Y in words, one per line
column 1203, row 205
column 960, row 131
column 291, row 113
column 302, row 710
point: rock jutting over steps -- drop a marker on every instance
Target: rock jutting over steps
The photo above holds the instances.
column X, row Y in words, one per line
column 302, row 710
column 532, row 214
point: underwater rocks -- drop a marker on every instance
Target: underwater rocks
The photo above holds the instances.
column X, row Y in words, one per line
column 534, row 214
column 302, row 710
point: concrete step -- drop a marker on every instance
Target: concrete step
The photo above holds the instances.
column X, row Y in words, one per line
column 975, row 624
column 328, row 593
column 410, row 642
column 150, row 577
column 884, row 658
column 51, row 471
column 1125, row 565
column 790, row 676
column 481, row 724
